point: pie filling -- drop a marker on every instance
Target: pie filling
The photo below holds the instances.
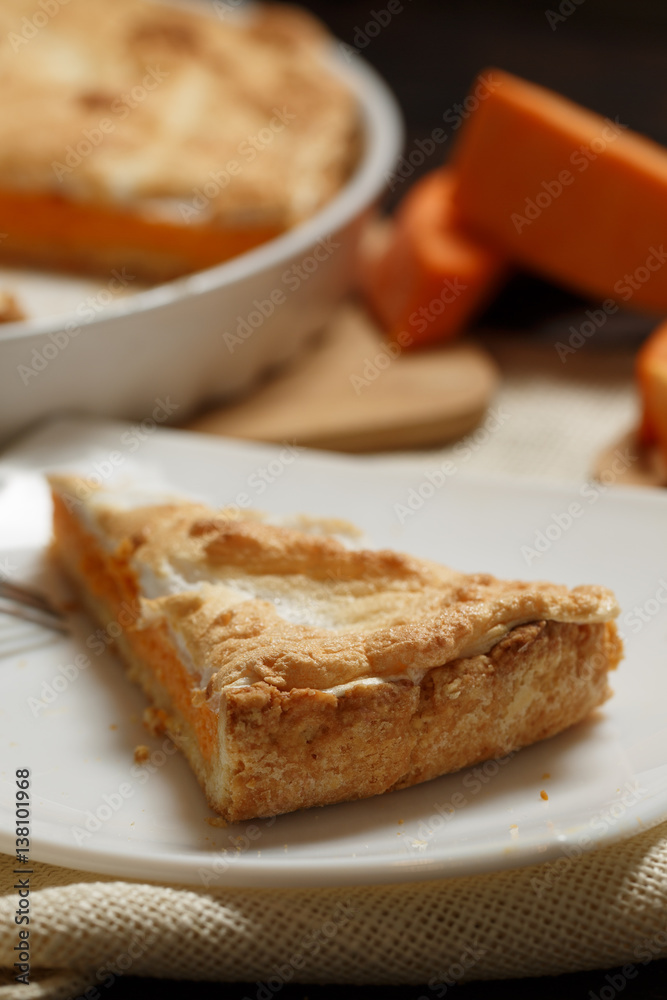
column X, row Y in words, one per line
column 48, row 229
column 112, row 585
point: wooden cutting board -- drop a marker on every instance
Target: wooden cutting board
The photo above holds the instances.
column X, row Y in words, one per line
column 352, row 391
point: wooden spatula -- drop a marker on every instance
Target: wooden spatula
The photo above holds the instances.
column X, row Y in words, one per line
column 352, row 391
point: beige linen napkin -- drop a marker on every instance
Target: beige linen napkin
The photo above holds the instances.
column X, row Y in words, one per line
column 607, row 907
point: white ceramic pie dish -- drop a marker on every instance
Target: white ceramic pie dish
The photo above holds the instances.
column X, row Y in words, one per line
column 166, row 346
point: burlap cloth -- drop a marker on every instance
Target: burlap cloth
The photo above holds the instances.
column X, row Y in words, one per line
column 604, row 908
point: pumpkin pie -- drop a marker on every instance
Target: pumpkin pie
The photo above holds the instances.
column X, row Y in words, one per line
column 295, row 671
column 163, row 139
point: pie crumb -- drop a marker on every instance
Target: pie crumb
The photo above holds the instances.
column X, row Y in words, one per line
column 216, row 821
column 141, row 754
column 10, row 310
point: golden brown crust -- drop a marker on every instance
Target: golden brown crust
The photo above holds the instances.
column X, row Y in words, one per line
column 297, row 609
column 173, row 98
column 294, row 749
column 419, row 670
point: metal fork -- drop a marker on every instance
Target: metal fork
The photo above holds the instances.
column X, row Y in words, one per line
column 30, row 606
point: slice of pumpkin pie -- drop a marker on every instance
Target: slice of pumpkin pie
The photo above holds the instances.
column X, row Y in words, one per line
column 294, row 671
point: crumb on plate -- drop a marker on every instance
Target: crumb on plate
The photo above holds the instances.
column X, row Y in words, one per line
column 216, row 821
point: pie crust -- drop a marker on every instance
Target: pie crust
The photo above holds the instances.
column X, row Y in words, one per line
column 148, row 136
column 294, row 671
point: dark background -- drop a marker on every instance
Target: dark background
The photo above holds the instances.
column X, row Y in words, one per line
column 608, row 55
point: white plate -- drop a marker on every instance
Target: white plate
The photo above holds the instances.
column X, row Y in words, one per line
column 608, row 776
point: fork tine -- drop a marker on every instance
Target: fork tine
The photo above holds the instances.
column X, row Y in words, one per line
column 26, row 595
column 17, row 644
column 30, row 605
column 35, row 615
